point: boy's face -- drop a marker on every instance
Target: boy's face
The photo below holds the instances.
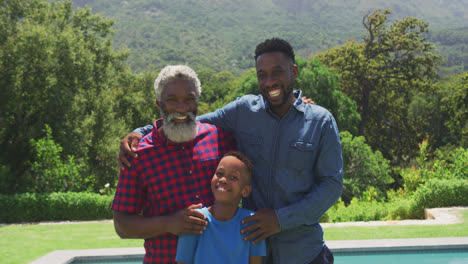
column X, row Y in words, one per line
column 231, row 181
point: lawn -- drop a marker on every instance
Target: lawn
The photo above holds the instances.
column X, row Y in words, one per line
column 24, row 243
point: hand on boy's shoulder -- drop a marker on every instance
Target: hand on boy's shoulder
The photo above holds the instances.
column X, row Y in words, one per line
column 188, row 221
column 263, row 223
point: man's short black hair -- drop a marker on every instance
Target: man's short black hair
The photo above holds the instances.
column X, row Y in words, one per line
column 244, row 159
column 275, row 45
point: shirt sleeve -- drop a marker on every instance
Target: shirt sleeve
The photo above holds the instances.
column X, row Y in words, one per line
column 144, row 130
column 329, row 173
column 224, row 117
column 129, row 194
column 186, row 248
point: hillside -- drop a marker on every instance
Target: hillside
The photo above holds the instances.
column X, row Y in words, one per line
column 222, row 34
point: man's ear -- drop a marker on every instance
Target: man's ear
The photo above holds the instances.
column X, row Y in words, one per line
column 246, row 190
column 294, row 70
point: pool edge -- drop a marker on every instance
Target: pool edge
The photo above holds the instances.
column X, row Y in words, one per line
column 336, row 246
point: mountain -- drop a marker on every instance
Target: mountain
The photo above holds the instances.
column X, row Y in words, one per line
column 222, row 34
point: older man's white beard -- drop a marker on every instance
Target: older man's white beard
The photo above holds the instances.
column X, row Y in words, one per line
column 178, row 133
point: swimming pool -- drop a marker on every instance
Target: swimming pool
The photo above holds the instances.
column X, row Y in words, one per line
column 452, row 250
column 426, row 257
column 422, row 256
column 108, row 260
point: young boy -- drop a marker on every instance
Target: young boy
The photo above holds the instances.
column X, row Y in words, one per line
column 222, row 241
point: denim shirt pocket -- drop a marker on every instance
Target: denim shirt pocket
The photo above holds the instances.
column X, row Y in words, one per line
column 301, row 154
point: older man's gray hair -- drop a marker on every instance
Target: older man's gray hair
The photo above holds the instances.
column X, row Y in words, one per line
column 176, row 72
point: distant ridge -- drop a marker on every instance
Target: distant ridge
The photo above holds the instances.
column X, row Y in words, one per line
column 222, row 34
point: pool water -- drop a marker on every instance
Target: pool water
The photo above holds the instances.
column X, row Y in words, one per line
column 108, row 260
column 404, row 258
column 399, row 257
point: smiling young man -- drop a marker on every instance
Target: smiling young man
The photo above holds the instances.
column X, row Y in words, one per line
column 156, row 197
column 296, row 150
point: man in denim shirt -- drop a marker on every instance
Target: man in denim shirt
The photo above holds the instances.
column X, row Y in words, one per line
column 296, row 150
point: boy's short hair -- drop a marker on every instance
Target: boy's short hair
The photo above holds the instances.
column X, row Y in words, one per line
column 275, row 45
column 244, row 159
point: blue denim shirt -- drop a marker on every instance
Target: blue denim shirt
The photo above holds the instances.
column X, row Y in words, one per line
column 298, row 169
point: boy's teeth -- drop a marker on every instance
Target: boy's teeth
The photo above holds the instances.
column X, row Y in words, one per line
column 274, row 93
column 181, row 117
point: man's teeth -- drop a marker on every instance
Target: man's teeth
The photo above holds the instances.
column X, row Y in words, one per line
column 274, row 93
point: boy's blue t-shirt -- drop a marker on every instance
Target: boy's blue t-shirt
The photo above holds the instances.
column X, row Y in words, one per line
column 221, row 242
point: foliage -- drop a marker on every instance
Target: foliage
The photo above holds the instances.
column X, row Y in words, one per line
column 450, row 166
column 221, row 35
column 441, row 193
column 363, row 169
column 442, row 165
column 382, row 74
column 50, row 173
column 7, row 179
column 454, row 104
column 57, row 67
column 34, row 207
column 451, row 45
column 356, row 211
column 216, row 87
column 321, row 85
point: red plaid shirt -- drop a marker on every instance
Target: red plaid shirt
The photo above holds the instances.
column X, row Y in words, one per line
column 168, row 177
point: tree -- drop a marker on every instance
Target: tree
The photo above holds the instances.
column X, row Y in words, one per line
column 321, row 85
column 215, row 88
column 382, row 74
column 57, row 67
column 49, row 172
column 363, row 168
column 454, row 103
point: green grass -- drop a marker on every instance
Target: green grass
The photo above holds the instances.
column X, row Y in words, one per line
column 401, row 231
column 24, row 243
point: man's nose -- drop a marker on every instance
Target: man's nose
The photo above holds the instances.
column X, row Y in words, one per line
column 182, row 107
column 270, row 81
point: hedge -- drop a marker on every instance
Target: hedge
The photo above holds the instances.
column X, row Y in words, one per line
column 32, row 207
column 434, row 193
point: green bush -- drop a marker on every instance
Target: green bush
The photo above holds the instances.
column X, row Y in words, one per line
column 403, row 209
column 363, row 168
column 442, row 193
column 52, row 174
column 7, row 179
column 33, row 207
column 355, row 211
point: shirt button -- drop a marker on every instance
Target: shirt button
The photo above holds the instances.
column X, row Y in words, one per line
column 196, row 196
column 183, row 147
column 190, row 171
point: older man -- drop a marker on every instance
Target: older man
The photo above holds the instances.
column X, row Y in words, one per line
column 156, row 197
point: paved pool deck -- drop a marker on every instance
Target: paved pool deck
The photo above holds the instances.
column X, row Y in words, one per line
column 336, row 246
